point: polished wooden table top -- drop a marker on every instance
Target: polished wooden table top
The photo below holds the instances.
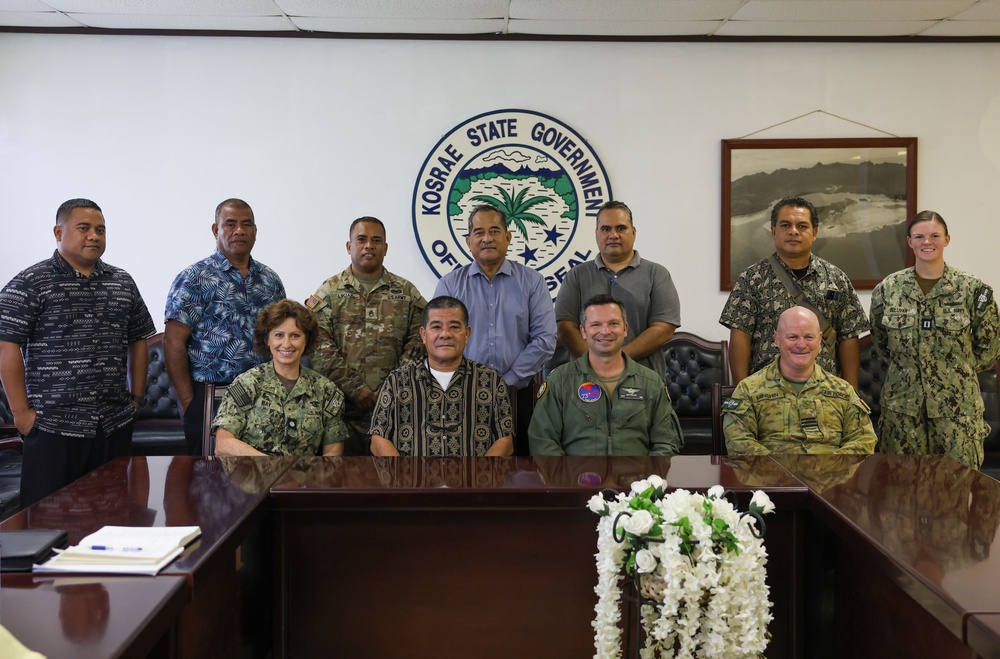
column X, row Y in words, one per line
column 983, row 635
column 83, row 617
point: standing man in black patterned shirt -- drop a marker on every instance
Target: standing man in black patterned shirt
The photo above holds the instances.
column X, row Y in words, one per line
column 73, row 355
column 793, row 276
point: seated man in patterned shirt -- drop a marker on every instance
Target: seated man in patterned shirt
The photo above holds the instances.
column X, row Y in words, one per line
column 446, row 404
column 793, row 405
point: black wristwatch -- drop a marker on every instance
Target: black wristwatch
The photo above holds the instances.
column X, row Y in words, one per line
column 142, row 400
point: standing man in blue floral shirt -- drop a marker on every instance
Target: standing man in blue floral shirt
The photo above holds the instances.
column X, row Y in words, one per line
column 211, row 312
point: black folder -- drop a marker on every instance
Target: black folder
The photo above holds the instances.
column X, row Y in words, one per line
column 19, row 550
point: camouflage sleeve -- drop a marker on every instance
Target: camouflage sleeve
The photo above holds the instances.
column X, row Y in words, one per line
column 328, row 359
column 985, row 329
column 240, row 398
column 858, row 434
column 333, row 413
column 879, row 338
column 665, row 436
column 546, row 427
column 739, row 424
column 413, row 346
column 851, row 321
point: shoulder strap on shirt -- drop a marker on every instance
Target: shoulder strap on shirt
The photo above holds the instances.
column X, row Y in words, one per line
column 829, row 333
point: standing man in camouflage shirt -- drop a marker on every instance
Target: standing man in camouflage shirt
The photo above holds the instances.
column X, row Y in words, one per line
column 369, row 323
column 759, row 296
column 794, row 405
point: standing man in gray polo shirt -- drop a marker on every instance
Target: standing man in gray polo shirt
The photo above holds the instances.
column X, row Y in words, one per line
column 652, row 308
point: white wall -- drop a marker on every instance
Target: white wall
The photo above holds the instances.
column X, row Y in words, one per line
column 314, row 133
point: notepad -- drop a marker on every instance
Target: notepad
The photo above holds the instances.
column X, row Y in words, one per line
column 123, row 550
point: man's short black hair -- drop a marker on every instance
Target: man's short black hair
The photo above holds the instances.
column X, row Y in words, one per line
column 795, row 202
column 366, row 218
column 232, row 202
column 486, row 208
column 616, row 205
column 67, row 207
column 443, row 302
column 600, row 300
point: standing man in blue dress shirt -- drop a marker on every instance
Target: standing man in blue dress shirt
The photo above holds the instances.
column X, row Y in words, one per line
column 73, row 355
column 510, row 312
column 211, row 313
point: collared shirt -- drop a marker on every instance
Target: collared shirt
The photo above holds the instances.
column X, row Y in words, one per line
column 645, row 288
column 512, row 319
column 258, row 410
column 759, row 297
column 75, row 332
column 364, row 335
column 576, row 415
column 220, row 305
column 422, row 419
column 767, row 415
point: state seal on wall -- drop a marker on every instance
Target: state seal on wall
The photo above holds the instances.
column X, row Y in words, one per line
column 540, row 171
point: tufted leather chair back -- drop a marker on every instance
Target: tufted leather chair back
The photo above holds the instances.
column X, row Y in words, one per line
column 162, row 398
column 693, row 365
column 871, row 377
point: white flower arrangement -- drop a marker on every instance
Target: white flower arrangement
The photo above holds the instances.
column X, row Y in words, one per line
column 698, row 566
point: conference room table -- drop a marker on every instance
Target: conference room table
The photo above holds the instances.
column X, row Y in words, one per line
column 494, row 557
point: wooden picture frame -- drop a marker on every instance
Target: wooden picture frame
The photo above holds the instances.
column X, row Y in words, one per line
column 864, row 190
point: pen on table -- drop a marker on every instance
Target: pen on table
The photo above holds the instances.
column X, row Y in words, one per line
column 109, row 548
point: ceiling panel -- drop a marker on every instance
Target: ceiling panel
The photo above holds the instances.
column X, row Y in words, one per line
column 850, row 10
column 984, row 10
column 614, row 28
column 822, row 28
column 168, row 7
column 396, row 8
column 145, row 22
column 400, row 26
column 24, row 5
column 963, row 29
column 624, row 10
column 38, row 19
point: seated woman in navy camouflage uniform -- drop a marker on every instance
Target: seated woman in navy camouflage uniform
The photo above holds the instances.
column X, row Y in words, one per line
column 281, row 407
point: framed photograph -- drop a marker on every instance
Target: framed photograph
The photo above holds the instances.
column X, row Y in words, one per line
column 864, row 191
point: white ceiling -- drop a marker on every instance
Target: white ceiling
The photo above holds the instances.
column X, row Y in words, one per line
column 588, row 18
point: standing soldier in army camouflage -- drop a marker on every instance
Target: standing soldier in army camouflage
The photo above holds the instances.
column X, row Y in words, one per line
column 938, row 328
column 793, row 405
column 369, row 323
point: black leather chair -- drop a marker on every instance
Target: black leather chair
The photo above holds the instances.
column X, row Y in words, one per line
column 10, row 461
column 871, row 377
column 694, row 364
column 159, row 429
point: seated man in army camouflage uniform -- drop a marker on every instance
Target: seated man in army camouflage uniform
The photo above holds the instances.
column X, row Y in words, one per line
column 793, row 405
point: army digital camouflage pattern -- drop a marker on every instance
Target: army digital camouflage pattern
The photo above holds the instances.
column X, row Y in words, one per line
column 259, row 411
column 422, row 419
column 363, row 337
column 574, row 415
column 758, row 298
column 935, row 345
column 766, row 415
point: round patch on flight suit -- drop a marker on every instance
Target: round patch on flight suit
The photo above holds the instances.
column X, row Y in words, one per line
column 589, row 392
column 588, row 479
column 541, row 390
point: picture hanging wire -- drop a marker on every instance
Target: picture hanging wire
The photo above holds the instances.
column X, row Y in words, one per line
column 835, row 116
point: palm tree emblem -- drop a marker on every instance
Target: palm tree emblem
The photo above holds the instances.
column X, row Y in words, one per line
column 516, row 208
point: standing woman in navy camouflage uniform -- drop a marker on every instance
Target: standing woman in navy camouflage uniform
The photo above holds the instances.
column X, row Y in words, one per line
column 938, row 328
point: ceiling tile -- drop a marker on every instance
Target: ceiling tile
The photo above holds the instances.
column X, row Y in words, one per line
column 822, row 28
column 963, row 29
column 849, row 10
column 399, row 26
column 624, row 10
column 144, row 22
column 984, row 10
column 24, row 5
column 36, row 19
column 614, row 28
column 168, row 7
column 396, row 8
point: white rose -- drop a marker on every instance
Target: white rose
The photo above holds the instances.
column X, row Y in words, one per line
column 639, row 523
column 761, row 503
column 645, row 561
column 657, row 482
column 598, row 505
column 640, row 486
column 716, row 492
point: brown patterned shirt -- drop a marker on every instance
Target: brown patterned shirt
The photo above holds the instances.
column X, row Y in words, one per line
column 759, row 297
column 422, row 419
